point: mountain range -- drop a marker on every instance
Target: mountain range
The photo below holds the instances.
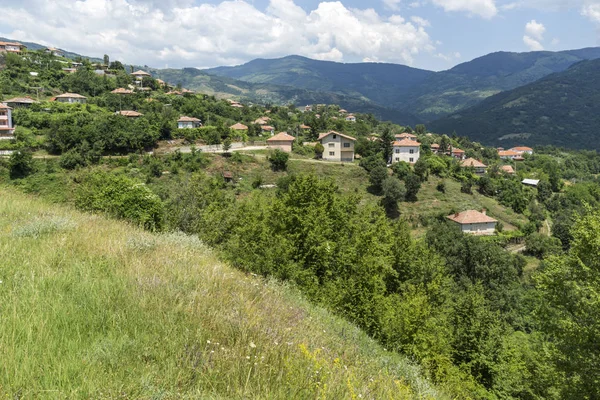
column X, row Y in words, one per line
column 561, row 109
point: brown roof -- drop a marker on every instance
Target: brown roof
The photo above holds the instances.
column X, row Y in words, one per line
column 5, row 107
column 122, row 91
column 324, row 135
column 260, row 121
column 237, row 105
column 471, row 217
column 227, row 174
column 406, row 143
column 435, row 146
column 22, row 100
column 140, row 72
column 267, row 128
column 281, row 137
column 508, row 169
column 188, row 119
column 239, row 127
column 129, row 113
column 507, row 153
column 304, row 126
column 71, row 95
column 457, row 150
column 405, row 135
column 521, row 148
column 471, row 162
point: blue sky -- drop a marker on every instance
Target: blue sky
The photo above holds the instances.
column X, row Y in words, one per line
column 430, row 34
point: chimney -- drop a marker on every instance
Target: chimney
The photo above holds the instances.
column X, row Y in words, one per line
column 456, row 215
column 484, row 211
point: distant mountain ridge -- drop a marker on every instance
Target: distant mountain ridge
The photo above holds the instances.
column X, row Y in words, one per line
column 562, row 109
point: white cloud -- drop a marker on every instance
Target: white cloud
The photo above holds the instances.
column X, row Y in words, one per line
column 534, row 35
column 483, row 8
column 449, row 57
column 420, row 21
column 392, row 4
column 535, row 29
column 183, row 33
column 592, row 11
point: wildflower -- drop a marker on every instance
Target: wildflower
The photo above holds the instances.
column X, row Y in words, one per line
column 252, row 345
column 222, row 348
column 247, row 357
column 208, row 341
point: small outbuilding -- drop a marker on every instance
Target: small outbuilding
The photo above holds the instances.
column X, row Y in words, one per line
column 282, row 141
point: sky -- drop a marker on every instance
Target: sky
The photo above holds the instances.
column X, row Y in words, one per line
column 428, row 34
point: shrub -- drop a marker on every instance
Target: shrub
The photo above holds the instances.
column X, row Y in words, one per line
column 20, row 164
column 401, row 169
column 279, row 160
column 372, row 162
column 71, row 159
column 441, row 187
column 413, row 185
column 376, row 178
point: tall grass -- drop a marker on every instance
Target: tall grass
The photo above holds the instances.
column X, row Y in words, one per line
column 95, row 308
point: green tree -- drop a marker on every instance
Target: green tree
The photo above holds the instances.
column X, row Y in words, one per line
column 387, row 139
column 20, row 164
column 420, row 129
column 279, row 160
column 319, row 149
column 226, row 145
column 393, row 191
column 376, row 178
column 106, row 60
column 413, row 185
column 421, row 169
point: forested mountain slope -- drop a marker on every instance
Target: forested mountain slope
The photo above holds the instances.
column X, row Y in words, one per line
column 562, row 109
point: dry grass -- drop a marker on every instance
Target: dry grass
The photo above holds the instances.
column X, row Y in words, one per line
column 95, row 308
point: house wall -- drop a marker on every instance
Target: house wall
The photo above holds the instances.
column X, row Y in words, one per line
column 6, row 125
column 71, row 100
column 283, row 145
column 488, row 228
column 338, row 148
column 403, row 154
column 185, row 125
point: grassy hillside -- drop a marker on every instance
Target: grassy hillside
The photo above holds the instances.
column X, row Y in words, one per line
column 561, row 109
column 94, row 308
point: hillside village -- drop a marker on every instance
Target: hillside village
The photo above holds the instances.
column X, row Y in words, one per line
column 413, row 236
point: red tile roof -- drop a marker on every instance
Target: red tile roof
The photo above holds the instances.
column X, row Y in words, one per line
column 406, row 143
column 188, row 119
column 70, row 96
column 122, row 91
column 129, row 113
column 508, row 169
column 21, row 100
column 521, row 148
column 405, row 135
column 471, row 217
column 281, row 137
column 267, row 128
column 457, row 150
column 239, row 127
column 507, row 153
column 324, row 135
column 141, row 73
column 471, row 162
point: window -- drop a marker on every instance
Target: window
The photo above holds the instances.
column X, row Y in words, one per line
column 331, row 144
column 411, row 151
column 397, row 159
column 411, row 159
column 346, row 144
column 332, row 153
column 335, row 136
column 397, row 151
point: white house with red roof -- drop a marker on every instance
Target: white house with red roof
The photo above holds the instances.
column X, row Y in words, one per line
column 350, row 118
column 474, row 222
column 406, row 150
column 188, row 123
column 338, row 146
column 7, row 129
column 522, row 150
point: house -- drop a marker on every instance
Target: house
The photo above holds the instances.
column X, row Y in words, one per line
column 188, row 123
column 406, row 135
column 260, row 121
column 474, row 222
column 122, row 91
column 139, row 75
column 268, row 128
column 508, row 154
column 72, row 98
column 237, row 105
column 522, row 150
column 129, row 113
column 530, row 182
column 281, row 141
column 338, row 147
column 343, row 112
column 17, row 102
column 508, row 169
column 435, row 148
column 457, row 153
column 11, row 47
column 69, row 70
column 350, row 118
column 239, row 127
column 308, row 109
column 406, row 150
column 305, row 127
column 7, row 129
column 161, row 82
column 53, row 51
column 477, row 165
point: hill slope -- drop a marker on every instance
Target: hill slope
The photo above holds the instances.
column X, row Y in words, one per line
column 378, row 82
column 562, row 109
column 222, row 86
column 94, row 308
column 469, row 83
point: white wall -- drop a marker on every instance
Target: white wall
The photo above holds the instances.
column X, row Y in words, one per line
column 488, row 228
column 403, row 154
